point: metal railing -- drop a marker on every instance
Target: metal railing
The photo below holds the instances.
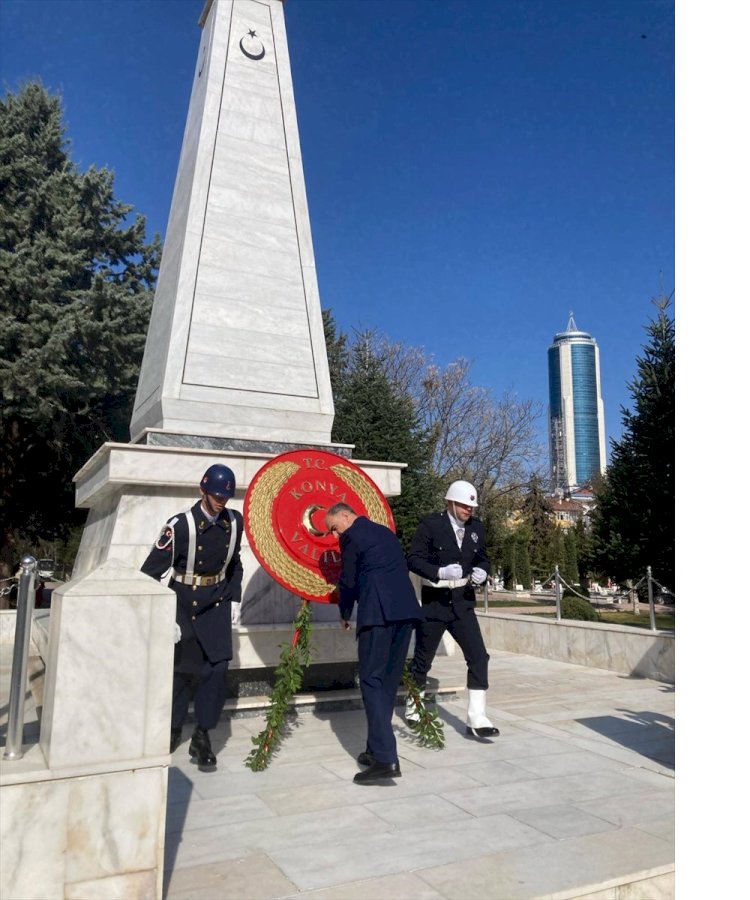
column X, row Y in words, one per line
column 19, row 670
column 558, row 582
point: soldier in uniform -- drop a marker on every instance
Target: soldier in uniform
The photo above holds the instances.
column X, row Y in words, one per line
column 449, row 552
column 202, row 547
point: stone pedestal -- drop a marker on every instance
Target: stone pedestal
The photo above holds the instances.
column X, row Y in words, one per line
column 131, row 490
column 108, row 678
column 83, row 812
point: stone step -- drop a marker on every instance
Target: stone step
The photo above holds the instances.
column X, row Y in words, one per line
column 329, row 700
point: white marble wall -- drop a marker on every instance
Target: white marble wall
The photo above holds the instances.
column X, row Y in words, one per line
column 85, row 817
column 7, row 626
column 618, row 648
column 84, row 838
column 236, row 344
column 108, row 680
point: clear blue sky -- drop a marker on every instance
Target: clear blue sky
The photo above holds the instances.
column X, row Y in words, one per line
column 475, row 168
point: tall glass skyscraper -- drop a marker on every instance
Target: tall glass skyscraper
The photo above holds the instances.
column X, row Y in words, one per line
column 576, row 409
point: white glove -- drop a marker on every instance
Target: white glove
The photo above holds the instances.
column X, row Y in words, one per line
column 236, row 612
column 478, row 576
column 451, row 572
column 177, row 633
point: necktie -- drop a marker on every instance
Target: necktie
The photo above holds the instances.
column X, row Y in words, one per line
column 460, row 536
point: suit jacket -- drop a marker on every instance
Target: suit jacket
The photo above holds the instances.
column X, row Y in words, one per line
column 433, row 546
column 374, row 575
column 203, row 612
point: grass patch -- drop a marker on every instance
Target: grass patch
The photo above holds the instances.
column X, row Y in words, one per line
column 664, row 621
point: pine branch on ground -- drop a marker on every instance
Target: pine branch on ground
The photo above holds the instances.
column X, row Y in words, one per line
column 428, row 730
column 288, row 680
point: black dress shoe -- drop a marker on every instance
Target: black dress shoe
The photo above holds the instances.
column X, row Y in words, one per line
column 378, row 772
column 483, row 732
column 175, row 736
column 365, row 758
column 200, row 750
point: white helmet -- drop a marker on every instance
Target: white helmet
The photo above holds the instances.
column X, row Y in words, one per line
column 462, row 492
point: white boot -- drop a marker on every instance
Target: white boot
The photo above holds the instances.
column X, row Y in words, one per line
column 412, row 713
column 479, row 725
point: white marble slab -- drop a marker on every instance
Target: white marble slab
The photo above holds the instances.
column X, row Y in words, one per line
column 85, row 837
column 617, row 648
column 108, row 681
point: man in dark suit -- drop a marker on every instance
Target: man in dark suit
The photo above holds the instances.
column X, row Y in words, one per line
column 449, row 552
column 202, row 547
column 375, row 576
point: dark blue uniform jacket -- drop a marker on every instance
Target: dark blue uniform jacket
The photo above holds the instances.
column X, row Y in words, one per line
column 374, row 575
column 203, row 612
column 433, row 546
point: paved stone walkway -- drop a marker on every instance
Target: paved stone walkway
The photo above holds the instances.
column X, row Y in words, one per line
column 574, row 799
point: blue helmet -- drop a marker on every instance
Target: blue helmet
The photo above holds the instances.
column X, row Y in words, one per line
column 219, row 480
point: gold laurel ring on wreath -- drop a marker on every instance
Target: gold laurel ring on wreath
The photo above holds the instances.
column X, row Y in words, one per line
column 367, row 494
column 271, row 550
column 259, row 510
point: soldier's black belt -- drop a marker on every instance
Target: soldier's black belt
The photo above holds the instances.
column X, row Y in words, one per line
column 199, row 580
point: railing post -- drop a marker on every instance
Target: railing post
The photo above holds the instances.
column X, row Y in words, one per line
column 558, row 592
column 651, row 610
column 19, row 670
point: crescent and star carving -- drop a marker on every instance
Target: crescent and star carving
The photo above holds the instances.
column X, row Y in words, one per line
column 308, row 522
column 250, row 47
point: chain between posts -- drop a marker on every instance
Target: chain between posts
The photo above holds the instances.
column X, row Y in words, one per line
column 648, row 578
column 558, row 582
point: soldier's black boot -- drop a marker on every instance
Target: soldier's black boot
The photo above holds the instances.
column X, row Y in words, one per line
column 200, row 750
column 175, row 737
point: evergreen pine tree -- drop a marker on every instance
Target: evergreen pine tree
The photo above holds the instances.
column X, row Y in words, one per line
column 557, row 551
column 523, row 563
column 336, row 350
column 382, row 425
column 76, row 278
column 633, row 524
column 537, row 515
column 508, row 559
column 570, row 569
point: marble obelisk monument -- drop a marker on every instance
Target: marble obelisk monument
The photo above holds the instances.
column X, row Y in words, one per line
column 235, row 347
column 235, row 367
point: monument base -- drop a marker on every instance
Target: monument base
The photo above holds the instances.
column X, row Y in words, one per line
column 131, row 490
column 160, row 437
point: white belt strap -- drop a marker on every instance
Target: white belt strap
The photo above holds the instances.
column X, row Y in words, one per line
column 448, row 583
column 190, row 561
column 232, row 543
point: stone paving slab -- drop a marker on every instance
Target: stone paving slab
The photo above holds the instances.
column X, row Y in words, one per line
column 574, row 799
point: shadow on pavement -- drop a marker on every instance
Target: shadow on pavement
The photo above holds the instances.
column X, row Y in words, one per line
column 647, row 733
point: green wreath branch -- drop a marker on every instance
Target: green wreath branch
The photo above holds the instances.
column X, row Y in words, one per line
column 428, row 730
column 288, row 679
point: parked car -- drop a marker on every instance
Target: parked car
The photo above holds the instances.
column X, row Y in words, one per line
column 45, row 568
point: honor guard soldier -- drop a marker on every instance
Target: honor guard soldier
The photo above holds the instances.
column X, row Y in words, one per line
column 202, row 548
column 449, row 552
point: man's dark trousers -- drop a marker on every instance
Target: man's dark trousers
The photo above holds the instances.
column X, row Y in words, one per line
column 465, row 630
column 210, row 693
column 382, row 653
